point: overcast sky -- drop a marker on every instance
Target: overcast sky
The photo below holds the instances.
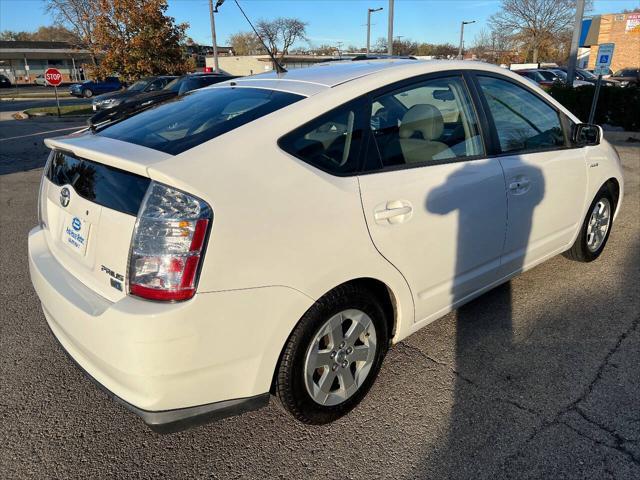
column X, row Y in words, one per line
column 330, row 21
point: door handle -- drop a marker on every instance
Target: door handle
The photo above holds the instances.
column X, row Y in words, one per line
column 393, row 212
column 520, row 185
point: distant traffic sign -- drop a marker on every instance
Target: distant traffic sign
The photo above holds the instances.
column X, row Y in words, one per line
column 604, row 58
column 53, row 77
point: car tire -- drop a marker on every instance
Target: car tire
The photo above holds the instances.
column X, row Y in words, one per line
column 355, row 361
column 87, row 93
column 595, row 230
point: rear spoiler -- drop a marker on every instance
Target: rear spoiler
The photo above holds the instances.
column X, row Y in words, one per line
column 116, row 153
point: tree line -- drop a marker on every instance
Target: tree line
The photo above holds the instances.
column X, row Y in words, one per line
column 521, row 30
column 136, row 37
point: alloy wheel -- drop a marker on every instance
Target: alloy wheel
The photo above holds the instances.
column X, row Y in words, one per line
column 340, row 357
column 598, row 225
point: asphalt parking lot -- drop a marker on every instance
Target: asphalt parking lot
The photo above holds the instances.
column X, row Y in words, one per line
column 539, row 378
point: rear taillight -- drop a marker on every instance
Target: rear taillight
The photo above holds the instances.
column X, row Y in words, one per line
column 168, row 244
column 41, row 199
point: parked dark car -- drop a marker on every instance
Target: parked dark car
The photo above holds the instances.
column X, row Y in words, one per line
column 627, row 77
column 178, row 86
column 606, row 75
column 4, row 82
column 144, row 85
column 544, row 78
column 587, row 76
column 89, row 88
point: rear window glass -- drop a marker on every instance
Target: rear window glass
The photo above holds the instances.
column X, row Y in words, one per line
column 192, row 119
column 107, row 186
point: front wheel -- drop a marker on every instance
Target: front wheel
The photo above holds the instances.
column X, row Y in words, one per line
column 595, row 229
column 333, row 356
column 88, row 93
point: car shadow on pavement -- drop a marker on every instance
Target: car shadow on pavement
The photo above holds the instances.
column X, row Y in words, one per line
column 484, row 327
column 552, row 398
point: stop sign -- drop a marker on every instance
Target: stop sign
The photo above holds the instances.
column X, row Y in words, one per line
column 53, row 77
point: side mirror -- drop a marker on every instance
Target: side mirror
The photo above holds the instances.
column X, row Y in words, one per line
column 585, row 134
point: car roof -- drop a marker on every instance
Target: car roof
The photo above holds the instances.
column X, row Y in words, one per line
column 207, row 74
column 150, row 78
column 330, row 74
column 312, row 80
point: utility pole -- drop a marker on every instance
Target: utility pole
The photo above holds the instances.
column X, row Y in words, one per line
column 390, row 31
column 462, row 37
column 575, row 39
column 213, row 37
column 369, row 12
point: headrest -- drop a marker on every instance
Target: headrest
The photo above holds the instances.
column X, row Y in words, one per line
column 423, row 118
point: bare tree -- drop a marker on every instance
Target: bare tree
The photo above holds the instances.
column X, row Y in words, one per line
column 280, row 34
column 79, row 16
column 291, row 30
column 380, row 46
column 268, row 31
column 482, row 44
column 505, row 49
column 534, row 23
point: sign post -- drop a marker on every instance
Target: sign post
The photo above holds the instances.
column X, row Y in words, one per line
column 603, row 62
column 54, row 78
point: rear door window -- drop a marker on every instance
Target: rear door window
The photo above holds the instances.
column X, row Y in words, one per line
column 197, row 117
column 331, row 142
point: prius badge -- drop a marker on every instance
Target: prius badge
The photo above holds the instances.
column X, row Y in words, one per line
column 65, row 196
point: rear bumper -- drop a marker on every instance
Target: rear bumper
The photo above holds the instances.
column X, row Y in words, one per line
column 170, row 421
column 174, row 365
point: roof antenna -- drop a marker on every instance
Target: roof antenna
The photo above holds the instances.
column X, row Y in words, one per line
column 279, row 68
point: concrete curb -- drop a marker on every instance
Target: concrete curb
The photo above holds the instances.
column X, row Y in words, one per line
column 24, row 115
column 48, row 116
column 52, row 97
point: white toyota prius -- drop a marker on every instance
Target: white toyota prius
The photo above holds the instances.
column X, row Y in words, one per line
column 276, row 234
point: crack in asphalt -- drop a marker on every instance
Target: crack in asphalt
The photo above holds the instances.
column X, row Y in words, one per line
column 609, row 430
column 437, row 362
column 618, row 440
column 617, row 447
column 468, row 380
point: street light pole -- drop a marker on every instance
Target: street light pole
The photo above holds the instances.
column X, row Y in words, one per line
column 575, row 40
column 369, row 12
column 390, row 30
column 462, row 37
column 213, row 38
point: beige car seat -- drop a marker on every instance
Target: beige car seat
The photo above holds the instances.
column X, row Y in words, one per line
column 420, row 128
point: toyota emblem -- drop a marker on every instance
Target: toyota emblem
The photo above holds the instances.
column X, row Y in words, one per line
column 65, row 196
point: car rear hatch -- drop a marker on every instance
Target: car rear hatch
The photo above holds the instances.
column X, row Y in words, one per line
column 88, row 204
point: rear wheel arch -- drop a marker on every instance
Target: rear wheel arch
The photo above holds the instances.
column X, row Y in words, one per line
column 377, row 288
